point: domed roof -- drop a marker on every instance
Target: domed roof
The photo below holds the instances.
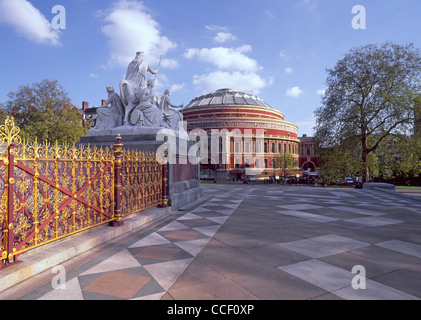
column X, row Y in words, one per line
column 227, row 97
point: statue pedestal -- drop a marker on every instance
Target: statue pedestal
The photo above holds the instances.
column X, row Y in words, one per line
column 183, row 176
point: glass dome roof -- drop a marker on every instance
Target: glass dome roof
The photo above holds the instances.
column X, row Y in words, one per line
column 227, row 97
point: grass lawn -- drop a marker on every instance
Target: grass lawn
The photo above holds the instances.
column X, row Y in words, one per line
column 406, row 187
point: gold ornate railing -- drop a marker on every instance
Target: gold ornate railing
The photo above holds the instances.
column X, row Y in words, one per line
column 48, row 192
column 141, row 179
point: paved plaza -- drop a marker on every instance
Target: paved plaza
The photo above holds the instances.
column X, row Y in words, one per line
column 255, row 242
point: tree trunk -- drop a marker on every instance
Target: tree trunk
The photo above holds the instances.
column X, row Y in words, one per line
column 364, row 158
column 366, row 167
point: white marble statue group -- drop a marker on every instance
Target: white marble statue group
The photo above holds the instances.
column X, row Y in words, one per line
column 138, row 105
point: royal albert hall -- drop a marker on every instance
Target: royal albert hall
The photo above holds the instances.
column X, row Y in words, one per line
column 253, row 136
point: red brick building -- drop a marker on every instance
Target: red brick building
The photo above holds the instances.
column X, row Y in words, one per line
column 250, row 136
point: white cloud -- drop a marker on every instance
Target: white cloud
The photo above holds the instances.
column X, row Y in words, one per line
column 307, row 126
column 28, row 21
column 310, row 5
column 248, row 82
column 93, row 75
column 289, row 70
column 222, row 37
column 213, row 27
column 283, row 55
column 321, row 92
column 130, row 28
column 177, row 87
column 233, row 68
column 226, row 58
column 269, row 14
column 169, row 63
column 294, row 92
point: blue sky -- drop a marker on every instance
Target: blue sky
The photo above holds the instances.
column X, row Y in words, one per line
column 276, row 49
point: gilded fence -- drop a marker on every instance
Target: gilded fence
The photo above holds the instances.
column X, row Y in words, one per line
column 48, row 192
column 141, row 180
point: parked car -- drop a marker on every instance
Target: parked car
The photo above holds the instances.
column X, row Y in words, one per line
column 349, row 182
column 252, row 179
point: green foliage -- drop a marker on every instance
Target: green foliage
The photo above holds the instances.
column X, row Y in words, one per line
column 285, row 162
column 400, row 157
column 44, row 112
column 370, row 97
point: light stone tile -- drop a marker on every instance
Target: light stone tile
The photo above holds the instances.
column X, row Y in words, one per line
column 408, row 248
column 338, row 242
column 318, row 196
column 166, row 273
column 373, row 291
column 121, row 260
column 374, row 221
column 155, row 296
column 70, row 291
column 219, row 220
column 189, row 216
column 357, row 210
column 320, row 274
column 310, row 248
column 306, row 215
column 301, row 206
column 208, row 230
column 201, row 209
column 194, row 247
column 339, row 282
column 150, row 240
column 173, row 226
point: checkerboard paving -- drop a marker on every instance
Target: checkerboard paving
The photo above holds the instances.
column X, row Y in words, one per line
column 263, row 242
column 147, row 268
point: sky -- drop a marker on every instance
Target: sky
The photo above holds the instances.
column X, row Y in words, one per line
column 278, row 50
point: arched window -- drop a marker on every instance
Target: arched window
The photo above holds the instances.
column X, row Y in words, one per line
column 256, row 147
column 273, row 148
column 246, row 147
column 265, row 147
column 236, row 147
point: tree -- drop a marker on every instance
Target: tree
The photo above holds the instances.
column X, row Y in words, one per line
column 370, row 95
column 286, row 163
column 400, row 158
column 43, row 111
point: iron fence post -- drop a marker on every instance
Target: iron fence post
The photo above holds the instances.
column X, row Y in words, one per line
column 117, row 185
column 10, row 204
column 164, row 200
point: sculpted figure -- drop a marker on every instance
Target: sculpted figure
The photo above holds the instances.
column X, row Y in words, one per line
column 134, row 82
column 171, row 117
column 112, row 115
column 137, row 71
column 147, row 113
